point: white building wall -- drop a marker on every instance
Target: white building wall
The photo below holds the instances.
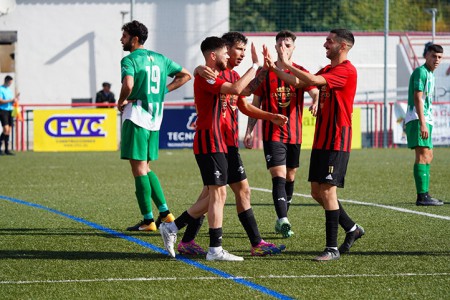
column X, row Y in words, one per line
column 67, row 48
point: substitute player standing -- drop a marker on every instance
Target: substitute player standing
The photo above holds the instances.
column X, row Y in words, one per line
column 144, row 75
column 332, row 137
column 419, row 122
column 282, row 145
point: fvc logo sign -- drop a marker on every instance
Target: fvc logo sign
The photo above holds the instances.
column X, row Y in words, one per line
column 75, row 130
column 75, row 126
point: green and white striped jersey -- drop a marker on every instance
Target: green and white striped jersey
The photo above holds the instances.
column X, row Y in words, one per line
column 150, row 71
column 422, row 79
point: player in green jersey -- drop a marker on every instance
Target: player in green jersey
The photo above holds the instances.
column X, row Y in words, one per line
column 419, row 122
column 144, row 75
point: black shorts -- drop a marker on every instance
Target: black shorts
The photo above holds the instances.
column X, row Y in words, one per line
column 6, row 117
column 213, row 168
column 328, row 166
column 236, row 171
column 281, row 154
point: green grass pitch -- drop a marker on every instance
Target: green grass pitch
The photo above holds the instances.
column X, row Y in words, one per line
column 43, row 255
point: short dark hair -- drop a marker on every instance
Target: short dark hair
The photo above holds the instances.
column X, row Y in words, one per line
column 435, row 48
column 344, row 34
column 234, row 37
column 106, row 84
column 8, row 78
column 284, row 34
column 212, row 43
column 136, row 28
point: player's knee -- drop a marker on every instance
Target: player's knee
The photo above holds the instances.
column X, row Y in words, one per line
column 316, row 195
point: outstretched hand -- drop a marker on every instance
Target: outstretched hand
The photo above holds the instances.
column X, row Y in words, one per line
column 268, row 61
column 282, row 53
column 255, row 59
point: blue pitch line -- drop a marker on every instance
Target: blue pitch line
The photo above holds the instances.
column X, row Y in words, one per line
column 152, row 247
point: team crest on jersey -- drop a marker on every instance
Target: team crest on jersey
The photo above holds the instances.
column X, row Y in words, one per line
column 192, row 121
column 217, row 174
column 283, row 94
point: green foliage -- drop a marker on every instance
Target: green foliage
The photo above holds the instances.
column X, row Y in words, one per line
column 322, row 15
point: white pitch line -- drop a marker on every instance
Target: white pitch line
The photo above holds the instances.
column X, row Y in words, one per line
column 222, row 278
column 371, row 204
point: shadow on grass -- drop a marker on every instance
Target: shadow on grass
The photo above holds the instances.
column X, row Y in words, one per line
column 270, row 204
column 70, row 232
column 78, row 255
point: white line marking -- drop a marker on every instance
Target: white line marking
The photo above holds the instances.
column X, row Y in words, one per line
column 371, row 204
column 222, row 278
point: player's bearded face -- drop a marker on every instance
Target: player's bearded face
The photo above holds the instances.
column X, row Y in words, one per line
column 126, row 41
column 332, row 46
column 222, row 59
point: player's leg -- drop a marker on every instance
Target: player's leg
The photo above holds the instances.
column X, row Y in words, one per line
column 423, row 157
column 7, row 130
column 157, row 192
column 134, row 147
column 292, row 165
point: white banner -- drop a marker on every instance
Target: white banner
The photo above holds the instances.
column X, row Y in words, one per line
column 441, row 127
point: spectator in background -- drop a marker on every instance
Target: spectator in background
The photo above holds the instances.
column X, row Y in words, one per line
column 7, row 99
column 419, row 122
column 105, row 95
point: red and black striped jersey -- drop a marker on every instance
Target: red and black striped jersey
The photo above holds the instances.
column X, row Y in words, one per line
column 229, row 119
column 208, row 137
column 334, row 112
column 278, row 97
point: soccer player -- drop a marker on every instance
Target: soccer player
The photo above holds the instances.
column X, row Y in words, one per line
column 7, row 99
column 144, row 76
column 282, row 144
column 210, row 148
column 332, row 137
column 237, row 178
column 419, row 122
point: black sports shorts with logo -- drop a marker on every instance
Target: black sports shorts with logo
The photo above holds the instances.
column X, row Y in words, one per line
column 213, row 168
column 328, row 166
column 281, row 154
column 236, row 171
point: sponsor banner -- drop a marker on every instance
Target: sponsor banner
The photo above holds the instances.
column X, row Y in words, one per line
column 75, row 130
column 178, row 128
column 441, row 126
column 309, row 125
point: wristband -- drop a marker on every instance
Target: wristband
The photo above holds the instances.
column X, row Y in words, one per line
column 255, row 66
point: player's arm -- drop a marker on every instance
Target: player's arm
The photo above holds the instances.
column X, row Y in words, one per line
column 248, row 139
column 418, row 103
column 125, row 91
column 3, row 101
column 179, row 79
column 261, row 75
column 256, row 113
column 205, row 72
column 314, row 93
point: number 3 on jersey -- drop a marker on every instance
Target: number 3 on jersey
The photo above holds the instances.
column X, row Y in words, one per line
column 154, row 77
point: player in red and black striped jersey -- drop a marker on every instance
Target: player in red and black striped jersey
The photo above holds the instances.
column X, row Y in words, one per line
column 282, row 144
column 332, row 138
column 211, row 99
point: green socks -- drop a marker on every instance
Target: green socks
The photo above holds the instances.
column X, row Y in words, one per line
column 422, row 177
column 143, row 192
column 157, row 192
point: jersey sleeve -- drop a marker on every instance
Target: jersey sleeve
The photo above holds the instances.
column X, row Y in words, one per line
column 419, row 79
column 211, row 86
column 336, row 77
column 127, row 68
column 172, row 67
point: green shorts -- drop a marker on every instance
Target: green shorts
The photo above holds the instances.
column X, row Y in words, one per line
column 138, row 143
column 413, row 135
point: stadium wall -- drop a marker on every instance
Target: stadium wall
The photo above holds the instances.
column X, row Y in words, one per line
column 66, row 48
